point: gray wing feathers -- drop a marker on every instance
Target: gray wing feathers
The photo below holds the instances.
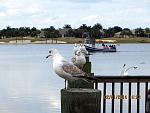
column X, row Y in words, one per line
column 72, row 69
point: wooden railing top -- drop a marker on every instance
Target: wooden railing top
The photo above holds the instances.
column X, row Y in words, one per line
column 119, row 78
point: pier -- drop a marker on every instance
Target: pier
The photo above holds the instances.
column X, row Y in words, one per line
column 138, row 80
column 84, row 97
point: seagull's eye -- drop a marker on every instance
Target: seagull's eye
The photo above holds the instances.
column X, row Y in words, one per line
column 50, row 51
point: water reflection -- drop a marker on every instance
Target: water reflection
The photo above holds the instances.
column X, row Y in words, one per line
column 29, row 85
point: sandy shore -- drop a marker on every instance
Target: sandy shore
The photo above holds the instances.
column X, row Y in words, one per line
column 35, row 42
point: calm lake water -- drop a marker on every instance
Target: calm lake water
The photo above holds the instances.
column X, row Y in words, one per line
column 29, row 85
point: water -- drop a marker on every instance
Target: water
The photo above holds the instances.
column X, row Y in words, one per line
column 29, row 85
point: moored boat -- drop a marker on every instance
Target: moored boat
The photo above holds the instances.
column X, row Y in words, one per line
column 104, row 49
column 89, row 44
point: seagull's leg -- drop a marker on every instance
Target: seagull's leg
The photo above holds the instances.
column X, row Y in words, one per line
column 65, row 84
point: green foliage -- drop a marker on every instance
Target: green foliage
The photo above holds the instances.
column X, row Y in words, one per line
column 139, row 32
column 18, row 32
column 95, row 31
column 51, row 32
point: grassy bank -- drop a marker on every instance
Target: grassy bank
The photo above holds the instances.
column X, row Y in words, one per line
column 130, row 40
column 119, row 40
column 72, row 40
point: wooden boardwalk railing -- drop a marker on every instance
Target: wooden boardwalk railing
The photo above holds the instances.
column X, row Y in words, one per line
column 121, row 80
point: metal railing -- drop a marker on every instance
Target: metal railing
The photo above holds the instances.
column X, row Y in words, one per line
column 121, row 80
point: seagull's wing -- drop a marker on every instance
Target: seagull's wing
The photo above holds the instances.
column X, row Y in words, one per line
column 71, row 69
column 76, row 72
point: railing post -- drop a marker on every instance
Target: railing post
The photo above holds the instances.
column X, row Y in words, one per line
column 148, row 102
column 81, row 97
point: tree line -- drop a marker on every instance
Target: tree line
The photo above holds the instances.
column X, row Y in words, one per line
column 96, row 31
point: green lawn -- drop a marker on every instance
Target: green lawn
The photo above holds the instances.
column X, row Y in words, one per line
column 71, row 40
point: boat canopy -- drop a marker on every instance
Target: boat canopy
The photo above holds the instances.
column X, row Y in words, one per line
column 105, row 41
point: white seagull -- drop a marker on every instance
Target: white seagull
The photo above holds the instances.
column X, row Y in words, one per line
column 66, row 70
column 79, row 59
column 125, row 70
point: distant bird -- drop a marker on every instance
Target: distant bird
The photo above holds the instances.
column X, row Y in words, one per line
column 66, row 70
column 125, row 70
column 79, row 59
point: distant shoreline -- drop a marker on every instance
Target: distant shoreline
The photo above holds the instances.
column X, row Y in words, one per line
column 66, row 40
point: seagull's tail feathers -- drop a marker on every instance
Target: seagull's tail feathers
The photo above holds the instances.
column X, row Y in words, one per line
column 87, row 78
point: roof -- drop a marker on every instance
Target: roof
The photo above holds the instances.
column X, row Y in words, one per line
column 63, row 31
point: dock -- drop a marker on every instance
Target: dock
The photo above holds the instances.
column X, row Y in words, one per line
column 85, row 97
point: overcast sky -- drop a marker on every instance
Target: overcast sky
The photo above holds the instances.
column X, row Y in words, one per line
column 45, row 13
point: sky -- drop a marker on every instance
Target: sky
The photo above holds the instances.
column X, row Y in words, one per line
column 57, row 13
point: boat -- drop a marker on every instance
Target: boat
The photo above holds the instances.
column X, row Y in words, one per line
column 94, row 49
column 90, row 41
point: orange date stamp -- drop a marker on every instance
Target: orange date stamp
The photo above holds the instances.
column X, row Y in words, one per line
column 122, row 97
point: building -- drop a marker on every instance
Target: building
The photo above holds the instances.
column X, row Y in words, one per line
column 41, row 35
column 63, row 32
column 126, row 34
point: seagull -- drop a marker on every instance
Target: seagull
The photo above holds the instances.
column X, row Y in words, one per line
column 79, row 59
column 83, row 49
column 65, row 69
column 125, row 71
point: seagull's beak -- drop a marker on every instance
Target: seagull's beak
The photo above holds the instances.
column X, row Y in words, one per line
column 48, row 56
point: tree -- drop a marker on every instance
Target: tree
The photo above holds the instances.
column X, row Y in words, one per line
column 34, row 32
column 97, row 26
column 70, row 33
column 139, row 32
column 51, row 32
column 147, row 32
column 126, row 32
column 96, row 31
column 67, row 26
column 85, row 28
column 108, row 32
column 117, row 29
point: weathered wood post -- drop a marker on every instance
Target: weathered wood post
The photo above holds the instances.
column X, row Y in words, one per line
column 148, row 102
column 81, row 97
column 56, row 41
column 52, row 40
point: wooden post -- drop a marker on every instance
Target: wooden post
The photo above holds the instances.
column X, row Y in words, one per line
column 46, row 40
column 81, row 97
column 56, row 41
column 77, row 100
column 16, row 40
column 22, row 40
column 52, row 40
column 148, row 102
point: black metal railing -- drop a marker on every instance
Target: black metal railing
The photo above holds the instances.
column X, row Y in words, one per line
column 121, row 80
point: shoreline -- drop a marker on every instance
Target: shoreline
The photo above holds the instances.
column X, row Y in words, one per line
column 69, row 40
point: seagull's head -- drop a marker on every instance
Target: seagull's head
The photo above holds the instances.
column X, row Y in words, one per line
column 52, row 52
column 78, row 53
